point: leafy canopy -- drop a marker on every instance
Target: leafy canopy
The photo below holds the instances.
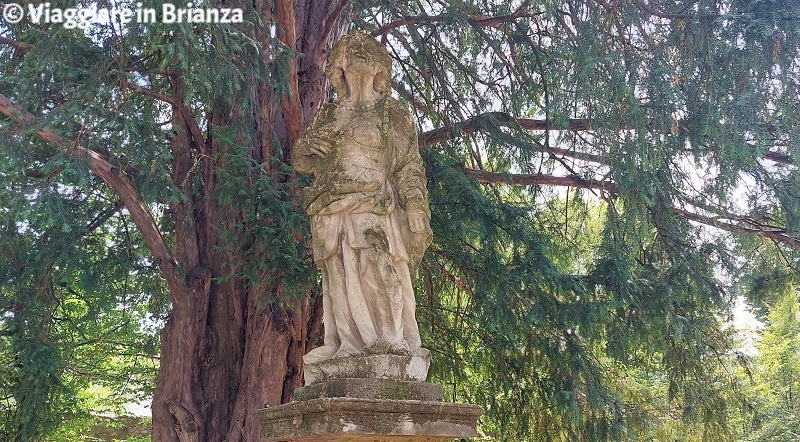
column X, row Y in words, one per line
column 574, row 150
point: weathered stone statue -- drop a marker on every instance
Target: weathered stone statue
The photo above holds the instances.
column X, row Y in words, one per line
column 368, row 207
column 370, row 227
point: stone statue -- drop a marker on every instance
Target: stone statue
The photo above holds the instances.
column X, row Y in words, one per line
column 368, row 206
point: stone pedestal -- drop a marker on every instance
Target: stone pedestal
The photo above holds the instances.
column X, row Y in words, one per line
column 371, row 389
column 401, row 368
column 374, row 398
column 374, row 420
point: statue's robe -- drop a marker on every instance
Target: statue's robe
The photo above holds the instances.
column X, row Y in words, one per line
column 361, row 237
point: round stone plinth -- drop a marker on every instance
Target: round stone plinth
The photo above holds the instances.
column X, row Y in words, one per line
column 368, row 420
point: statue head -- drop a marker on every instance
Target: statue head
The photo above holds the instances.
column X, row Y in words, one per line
column 363, row 46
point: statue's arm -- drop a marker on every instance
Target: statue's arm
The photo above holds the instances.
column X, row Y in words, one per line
column 310, row 148
column 411, row 186
column 409, row 174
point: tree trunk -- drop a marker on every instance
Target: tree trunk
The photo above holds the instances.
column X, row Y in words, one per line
column 225, row 352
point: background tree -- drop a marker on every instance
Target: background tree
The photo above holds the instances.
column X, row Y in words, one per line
column 771, row 380
column 658, row 115
column 776, row 378
column 75, row 290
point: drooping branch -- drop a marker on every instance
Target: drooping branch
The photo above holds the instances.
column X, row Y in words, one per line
column 476, row 21
column 502, row 119
column 118, row 180
column 727, row 222
column 750, row 227
column 517, row 179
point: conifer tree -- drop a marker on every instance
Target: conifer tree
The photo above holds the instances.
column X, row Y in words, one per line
column 591, row 166
column 778, row 377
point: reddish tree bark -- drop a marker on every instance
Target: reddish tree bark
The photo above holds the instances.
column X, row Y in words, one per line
column 224, row 355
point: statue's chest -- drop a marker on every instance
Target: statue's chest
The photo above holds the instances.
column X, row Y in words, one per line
column 359, row 135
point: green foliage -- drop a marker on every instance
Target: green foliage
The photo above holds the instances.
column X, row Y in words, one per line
column 582, row 314
column 773, row 380
column 74, row 294
column 558, row 319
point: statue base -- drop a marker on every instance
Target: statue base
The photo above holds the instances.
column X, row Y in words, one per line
column 373, row 398
column 371, row 389
column 402, row 368
column 369, row 420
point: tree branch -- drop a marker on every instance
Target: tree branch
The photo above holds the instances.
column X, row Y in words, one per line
column 652, row 11
column 502, row 119
column 778, row 157
column 191, row 122
column 22, row 46
column 117, row 179
column 187, row 117
column 185, row 425
column 186, row 113
column 485, row 177
column 776, row 235
column 103, row 216
column 149, row 92
column 751, row 226
column 287, row 35
column 326, row 32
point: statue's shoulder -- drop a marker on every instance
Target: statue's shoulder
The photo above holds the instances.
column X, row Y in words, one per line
column 325, row 114
column 397, row 113
column 327, row 107
column 395, row 105
column 327, row 110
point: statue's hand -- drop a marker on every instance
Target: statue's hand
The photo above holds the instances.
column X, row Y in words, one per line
column 320, row 147
column 417, row 221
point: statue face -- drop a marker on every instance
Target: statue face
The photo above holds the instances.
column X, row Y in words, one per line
column 359, row 54
column 359, row 62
